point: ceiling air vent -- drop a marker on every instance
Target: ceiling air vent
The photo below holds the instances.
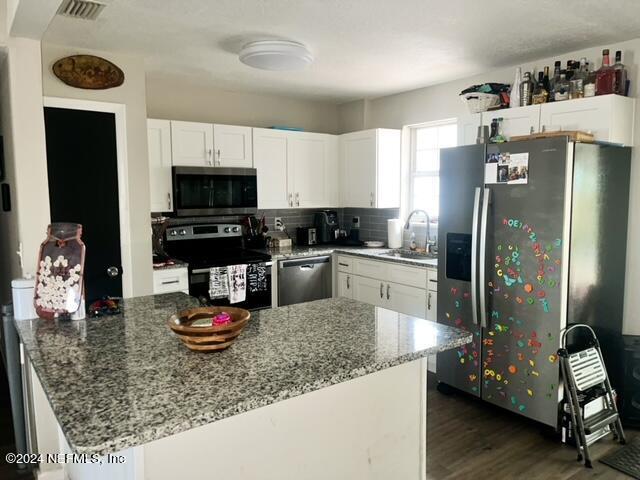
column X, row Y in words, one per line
column 82, row 9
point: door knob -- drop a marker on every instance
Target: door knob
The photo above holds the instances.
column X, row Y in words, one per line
column 113, row 271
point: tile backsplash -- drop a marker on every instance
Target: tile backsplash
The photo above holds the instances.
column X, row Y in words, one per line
column 373, row 221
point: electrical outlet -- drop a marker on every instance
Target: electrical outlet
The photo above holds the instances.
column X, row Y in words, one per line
column 355, row 222
column 279, row 224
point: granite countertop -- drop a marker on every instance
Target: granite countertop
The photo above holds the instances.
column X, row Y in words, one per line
column 176, row 264
column 374, row 253
column 117, row 382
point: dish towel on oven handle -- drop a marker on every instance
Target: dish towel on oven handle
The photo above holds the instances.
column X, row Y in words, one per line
column 237, row 275
column 257, row 278
column 218, row 283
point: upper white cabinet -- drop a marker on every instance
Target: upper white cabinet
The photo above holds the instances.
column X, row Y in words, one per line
column 270, row 160
column 159, row 144
column 192, row 144
column 295, row 169
column 609, row 117
column 232, row 146
column 468, row 128
column 516, row 121
column 211, row 145
column 370, row 168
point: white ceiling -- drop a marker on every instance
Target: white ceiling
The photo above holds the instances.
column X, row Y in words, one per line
column 362, row 48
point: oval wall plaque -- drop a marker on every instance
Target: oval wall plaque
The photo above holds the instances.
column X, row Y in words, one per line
column 88, row 71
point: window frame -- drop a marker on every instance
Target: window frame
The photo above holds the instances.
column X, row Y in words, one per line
column 413, row 172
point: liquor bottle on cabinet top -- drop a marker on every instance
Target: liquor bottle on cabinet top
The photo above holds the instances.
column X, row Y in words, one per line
column 561, row 88
column 526, row 90
column 514, row 96
column 605, row 76
column 540, row 93
column 569, row 70
column 620, row 76
column 590, row 83
column 556, row 78
column 576, row 85
column 545, row 80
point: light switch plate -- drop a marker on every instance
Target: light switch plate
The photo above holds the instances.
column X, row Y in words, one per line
column 355, row 222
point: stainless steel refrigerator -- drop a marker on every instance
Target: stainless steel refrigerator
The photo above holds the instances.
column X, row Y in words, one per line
column 532, row 236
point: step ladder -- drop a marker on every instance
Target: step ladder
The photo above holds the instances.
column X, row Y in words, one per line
column 581, row 371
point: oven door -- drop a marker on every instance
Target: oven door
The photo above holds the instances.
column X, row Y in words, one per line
column 258, row 292
column 214, row 191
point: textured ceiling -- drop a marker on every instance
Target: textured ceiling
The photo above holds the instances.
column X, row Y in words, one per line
column 362, row 48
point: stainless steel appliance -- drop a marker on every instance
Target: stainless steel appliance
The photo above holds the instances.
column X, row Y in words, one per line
column 532, row 236
column 306, row 236
column 326, row 223
column 214, row 191
column 204, row 246
column 304, row 279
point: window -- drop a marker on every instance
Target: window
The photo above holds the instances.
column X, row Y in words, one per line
column 426, row 142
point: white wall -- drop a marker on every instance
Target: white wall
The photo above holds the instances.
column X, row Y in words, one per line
column 132, row 95
column 177, row 98
column 441, row 102
column 25, row 154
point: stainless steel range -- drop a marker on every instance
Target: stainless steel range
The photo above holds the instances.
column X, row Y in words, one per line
column 204, row 246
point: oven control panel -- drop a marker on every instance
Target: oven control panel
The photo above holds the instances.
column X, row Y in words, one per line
column 208, row 230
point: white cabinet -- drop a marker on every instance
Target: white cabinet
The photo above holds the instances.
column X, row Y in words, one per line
column 369, row 290
column 192, row 144
column 516, row 121
column 232, row 146
column 206, row 145
column 171, row 280
column 159, row 144
column 370, row 168
column 402, row 288
column 468, row 128
column 609, row 117
column 295, row 169
column 345, row 285
column 432, row 305
column 405, row 299
column 270, row 160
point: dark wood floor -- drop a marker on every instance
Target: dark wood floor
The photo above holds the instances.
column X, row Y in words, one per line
column 468, row 439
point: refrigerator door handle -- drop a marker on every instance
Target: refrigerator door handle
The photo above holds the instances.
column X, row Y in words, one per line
column 483, row 254
column 474, row 256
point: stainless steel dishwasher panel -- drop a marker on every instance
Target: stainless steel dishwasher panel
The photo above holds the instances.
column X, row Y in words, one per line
column 304, row 279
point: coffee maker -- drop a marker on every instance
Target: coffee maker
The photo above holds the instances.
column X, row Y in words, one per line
column 326, row 223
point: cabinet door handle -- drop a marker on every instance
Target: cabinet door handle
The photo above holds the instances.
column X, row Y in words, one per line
column 343, row 264
column 371, row 199
column 219, row 160
column 297, row 199
column 170, row 282
column 429, row 301
column 210, row 156
column 388, row 294
column 348, row 285
column 381, row 288
column 168, row 201
column 290, row 200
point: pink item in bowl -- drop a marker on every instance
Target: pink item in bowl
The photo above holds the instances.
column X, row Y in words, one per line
column 222, row 318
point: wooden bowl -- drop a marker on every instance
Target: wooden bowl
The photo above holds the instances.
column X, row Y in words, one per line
column 208, row 339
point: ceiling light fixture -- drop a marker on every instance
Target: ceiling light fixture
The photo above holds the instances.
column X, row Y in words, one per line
column 276, row 55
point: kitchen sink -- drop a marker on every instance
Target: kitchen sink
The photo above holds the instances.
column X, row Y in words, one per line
column 403, row 253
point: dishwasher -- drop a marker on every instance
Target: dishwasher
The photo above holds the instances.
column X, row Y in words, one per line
column 304, row 279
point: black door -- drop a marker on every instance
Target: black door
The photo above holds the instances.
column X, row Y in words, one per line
column 83, row 188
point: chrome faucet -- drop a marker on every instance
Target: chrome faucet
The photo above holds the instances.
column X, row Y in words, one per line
column 407, row 226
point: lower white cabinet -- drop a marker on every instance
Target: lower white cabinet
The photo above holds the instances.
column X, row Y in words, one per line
column 397, row 287
column 171, row 280
column 432, row 305
column 345, row 285
column 160, row 183
column 369, row 290
column 405, row 299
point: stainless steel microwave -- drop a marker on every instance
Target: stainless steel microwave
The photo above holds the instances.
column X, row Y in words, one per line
column 201, row 191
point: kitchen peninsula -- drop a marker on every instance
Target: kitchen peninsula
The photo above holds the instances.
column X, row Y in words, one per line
column 328, row 389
